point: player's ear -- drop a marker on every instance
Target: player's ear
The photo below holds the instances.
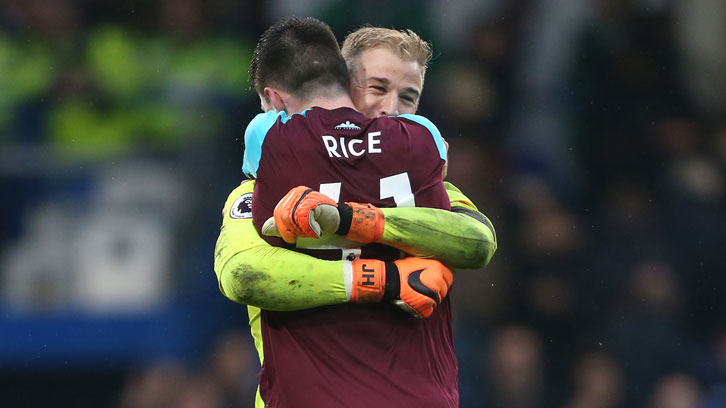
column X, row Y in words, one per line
column 277, row 98
column 265, row 104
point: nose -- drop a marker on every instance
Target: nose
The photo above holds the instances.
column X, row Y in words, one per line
column 389, row 106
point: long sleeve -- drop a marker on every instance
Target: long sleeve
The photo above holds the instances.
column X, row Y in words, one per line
column 460, row 238
column 252, row 272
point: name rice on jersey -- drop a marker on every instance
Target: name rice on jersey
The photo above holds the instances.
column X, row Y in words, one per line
column 355, row 147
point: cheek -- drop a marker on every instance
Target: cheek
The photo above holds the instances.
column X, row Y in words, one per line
column 357, row 95
column 403, row 108
column 368, row 105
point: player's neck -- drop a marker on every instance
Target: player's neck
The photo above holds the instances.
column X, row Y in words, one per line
column 342, row 100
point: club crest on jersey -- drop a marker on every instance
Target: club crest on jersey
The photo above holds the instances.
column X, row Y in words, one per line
column 242, row 207
column 348, row 126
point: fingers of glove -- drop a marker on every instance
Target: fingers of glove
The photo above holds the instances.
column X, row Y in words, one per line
column 270, row 228
column 290, row 229
column 284, row 215
column 421, row 313
column 289, row 201
column 292, row 212
column 284, row 226
column 421, row 306
column 286, row 231
column 304, row 215
column 437, row 277
column 424, row 282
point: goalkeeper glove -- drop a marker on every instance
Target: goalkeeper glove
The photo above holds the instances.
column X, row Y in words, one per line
column 304, row 212
column 414, row 284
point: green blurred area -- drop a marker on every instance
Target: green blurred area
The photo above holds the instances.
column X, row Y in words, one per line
column 27, row 71
column 120, row 90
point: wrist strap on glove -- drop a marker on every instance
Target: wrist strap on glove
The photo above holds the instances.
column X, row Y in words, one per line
column 369, row 281
column 361, row 222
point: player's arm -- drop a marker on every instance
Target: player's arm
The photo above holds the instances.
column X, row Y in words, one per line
column 252, row 272
column 460, row 238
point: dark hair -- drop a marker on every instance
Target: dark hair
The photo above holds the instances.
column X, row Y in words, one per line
column 300, row 56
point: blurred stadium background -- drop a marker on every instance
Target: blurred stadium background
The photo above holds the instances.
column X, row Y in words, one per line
column 593, row 133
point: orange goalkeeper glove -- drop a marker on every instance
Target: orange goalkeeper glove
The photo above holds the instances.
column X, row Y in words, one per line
column 304, row 212
column 416, row 285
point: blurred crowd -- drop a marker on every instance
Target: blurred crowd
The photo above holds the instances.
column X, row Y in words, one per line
column 592, row 133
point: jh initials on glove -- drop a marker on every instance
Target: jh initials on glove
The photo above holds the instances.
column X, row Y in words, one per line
column 416, row 285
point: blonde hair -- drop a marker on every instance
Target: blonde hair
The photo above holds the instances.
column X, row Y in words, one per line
column 407, row 45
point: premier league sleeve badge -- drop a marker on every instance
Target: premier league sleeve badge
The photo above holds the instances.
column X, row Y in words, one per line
column 242, row 207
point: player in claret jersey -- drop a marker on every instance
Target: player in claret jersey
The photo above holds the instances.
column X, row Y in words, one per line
column 324, row 142
column 325, row 356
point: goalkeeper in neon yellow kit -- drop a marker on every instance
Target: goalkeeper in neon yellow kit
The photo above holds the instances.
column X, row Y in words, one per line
column 273, row 280
column 252, row 272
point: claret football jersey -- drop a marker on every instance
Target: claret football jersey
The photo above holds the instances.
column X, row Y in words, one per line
column 351, row 355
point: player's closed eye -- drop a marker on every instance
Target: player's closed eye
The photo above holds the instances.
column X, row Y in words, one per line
column 408, row 100
column 378, row 88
